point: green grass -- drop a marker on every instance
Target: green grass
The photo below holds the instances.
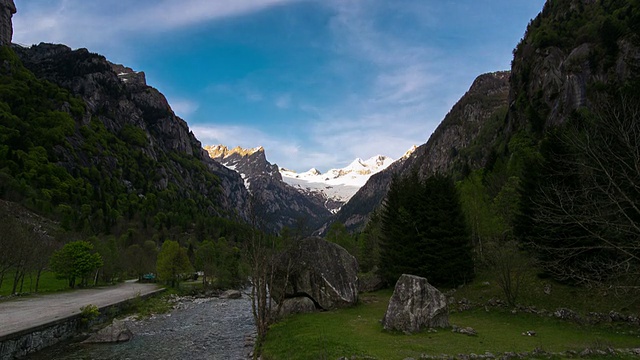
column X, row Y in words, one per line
column 580, row 299
column 357, row 331
column 146, row 307
column 48, row 283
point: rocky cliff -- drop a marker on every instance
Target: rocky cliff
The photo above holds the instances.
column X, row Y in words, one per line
column 276, row 203
column 7, row 9
column 119, row 100
column 455, row 146
column 571, row 50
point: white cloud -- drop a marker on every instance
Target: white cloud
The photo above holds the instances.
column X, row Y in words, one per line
column 80, row 23
column 169, row 14
column 183, row 107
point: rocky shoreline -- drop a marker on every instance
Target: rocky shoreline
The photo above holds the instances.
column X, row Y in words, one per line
column 198, row 327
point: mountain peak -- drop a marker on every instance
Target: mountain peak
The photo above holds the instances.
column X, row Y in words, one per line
column 409, row 152
column 221, row 151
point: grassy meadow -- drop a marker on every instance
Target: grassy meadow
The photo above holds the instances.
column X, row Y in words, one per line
column 358, row 331
column 48, row 283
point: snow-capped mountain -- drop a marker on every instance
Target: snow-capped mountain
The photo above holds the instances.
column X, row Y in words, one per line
column 337, row 184
column 277, row 203
column 329, row 190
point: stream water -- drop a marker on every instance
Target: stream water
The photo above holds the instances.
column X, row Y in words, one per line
column 210, row 328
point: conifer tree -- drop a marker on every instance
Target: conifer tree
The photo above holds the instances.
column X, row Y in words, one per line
column 424, row 231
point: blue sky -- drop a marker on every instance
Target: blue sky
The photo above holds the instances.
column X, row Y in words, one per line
column 316, row 82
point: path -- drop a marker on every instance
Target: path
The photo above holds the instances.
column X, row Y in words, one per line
column 28, row 312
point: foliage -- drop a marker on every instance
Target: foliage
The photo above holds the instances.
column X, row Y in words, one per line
column 369, row 241
column 88, row 313
column 581, row 213
column 357, row 332
column 149, row 306
column 75, row 260
column 220, row 262
column 338, row 234
column 173, row 263
column 424, row 232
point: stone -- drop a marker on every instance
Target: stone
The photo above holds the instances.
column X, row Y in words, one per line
column 415, row 305
column 319, row 270
column 299, row 305
column 231, row 294
column 370, row 281
column 469, row 331
column 7, row 9
column 117, row 332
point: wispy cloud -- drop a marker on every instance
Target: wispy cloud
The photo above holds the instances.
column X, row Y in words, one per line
column 283, row 101
column 81, row 23
column 184, row 107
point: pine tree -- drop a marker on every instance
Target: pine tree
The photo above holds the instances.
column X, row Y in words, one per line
column 424, row 232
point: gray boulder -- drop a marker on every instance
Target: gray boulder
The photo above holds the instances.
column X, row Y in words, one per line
column 319, row 270
column 415, row 305
column 117, row 332
column 298, row 305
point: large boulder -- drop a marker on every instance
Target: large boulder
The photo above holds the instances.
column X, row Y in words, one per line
column 117, row 332
column 415, row 305
column 298, row 305
column 319, row 270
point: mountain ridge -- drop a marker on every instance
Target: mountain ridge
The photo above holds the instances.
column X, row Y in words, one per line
column 333, row 188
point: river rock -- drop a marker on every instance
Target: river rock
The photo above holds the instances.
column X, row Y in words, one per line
column 231, row 294
column 117, row 332
column 319, row 270
column 415, row 305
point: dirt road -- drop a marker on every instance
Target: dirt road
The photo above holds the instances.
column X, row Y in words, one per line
column 25, row 313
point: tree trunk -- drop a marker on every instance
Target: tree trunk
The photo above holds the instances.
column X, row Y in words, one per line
column 38, row 279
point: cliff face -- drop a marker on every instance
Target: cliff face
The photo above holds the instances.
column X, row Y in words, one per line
column 7, row 9
column 457, row 143
column 276, row 203
column 120, row 100
column 571, row 50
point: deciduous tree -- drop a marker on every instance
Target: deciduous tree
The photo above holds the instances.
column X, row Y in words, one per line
column 173, row 263
column 75, row 260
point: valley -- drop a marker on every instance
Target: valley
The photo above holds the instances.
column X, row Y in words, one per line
column 520, row 207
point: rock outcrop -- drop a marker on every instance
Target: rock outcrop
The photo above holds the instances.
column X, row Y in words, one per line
column 117, row 332
column 553, row 77
column 415, row 305
column 7, row 9
column 319, row 270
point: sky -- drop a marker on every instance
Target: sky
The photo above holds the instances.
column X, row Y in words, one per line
column 317, row 83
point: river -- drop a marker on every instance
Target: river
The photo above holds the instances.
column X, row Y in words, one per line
column 210, row 328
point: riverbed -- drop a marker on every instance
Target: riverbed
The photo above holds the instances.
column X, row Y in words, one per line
column 206, row 328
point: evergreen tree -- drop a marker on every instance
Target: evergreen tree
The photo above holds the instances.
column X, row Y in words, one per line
column 424, row 232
